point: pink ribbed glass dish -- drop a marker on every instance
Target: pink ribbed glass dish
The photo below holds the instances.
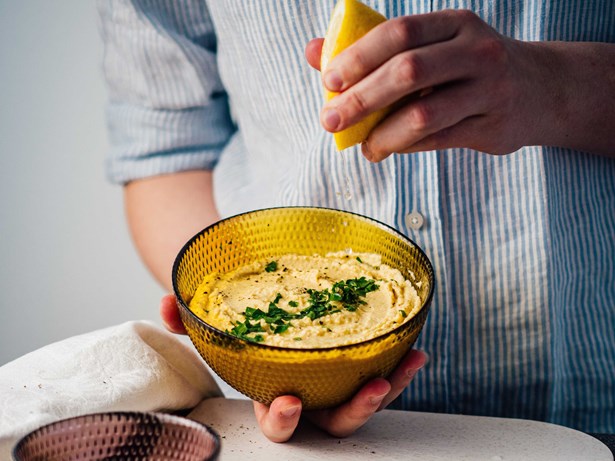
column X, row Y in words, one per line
column 116, row 436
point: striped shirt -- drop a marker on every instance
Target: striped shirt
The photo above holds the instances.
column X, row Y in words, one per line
column 523, row 318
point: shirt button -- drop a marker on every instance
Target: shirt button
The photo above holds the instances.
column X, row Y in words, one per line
column 415, row 220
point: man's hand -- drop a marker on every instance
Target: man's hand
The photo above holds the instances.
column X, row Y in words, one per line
column 456, row 82
column 169, row 313
column 279, row 420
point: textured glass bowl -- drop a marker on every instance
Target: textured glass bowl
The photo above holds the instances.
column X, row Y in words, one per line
column 321, row 378
column 118, row 436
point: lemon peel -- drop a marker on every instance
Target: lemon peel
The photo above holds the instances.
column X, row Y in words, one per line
column 350, row 21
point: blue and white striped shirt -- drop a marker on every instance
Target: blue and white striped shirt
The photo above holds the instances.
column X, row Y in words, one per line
column 523, row 318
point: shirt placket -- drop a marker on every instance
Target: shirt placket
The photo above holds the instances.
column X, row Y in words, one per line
column 419, row 216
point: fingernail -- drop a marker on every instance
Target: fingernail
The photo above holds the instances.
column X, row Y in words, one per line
column 333, row 81
column 331, row 119
column 412, row 371
column 425, row 360
column 290, row 411
column 366, row 152
column 377, row 399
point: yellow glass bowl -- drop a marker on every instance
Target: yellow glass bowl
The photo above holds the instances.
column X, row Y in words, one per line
column 324, row 377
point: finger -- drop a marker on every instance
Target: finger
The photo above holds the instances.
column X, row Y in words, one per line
column 346, row 419
column 312, row 52
column 403, row 374
column 443, row 108
column 387, row 40
column 464, row 134
column 169, row 312
column 279, row 420
column 469, row 133
column 404, row 74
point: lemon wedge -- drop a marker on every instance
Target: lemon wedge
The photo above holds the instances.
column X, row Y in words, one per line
column 350, row 21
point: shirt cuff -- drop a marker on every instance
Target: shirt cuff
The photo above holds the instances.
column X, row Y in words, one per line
column 150, row 142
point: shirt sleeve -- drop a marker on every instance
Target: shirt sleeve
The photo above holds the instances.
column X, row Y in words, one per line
column 167, row 109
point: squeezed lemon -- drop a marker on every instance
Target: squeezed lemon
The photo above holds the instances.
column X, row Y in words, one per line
column 350, row 21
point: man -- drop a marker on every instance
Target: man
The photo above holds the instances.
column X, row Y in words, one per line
column 213, row 111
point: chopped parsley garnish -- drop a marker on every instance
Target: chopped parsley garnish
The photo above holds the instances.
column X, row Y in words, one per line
column 242, row 329
column 271, row 267
column 350, row 292
column 345, row 294
column 281, row 328
column 359, row 259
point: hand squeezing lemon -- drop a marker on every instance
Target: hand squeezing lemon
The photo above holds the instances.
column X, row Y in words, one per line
column 350, row 21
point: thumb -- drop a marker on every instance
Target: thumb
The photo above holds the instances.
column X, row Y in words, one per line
column 279, row 420
column 312, row 52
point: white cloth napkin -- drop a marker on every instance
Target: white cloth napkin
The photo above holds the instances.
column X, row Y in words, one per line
column 135, row 366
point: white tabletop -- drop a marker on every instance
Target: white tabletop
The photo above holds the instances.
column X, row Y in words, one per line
column 402, row 435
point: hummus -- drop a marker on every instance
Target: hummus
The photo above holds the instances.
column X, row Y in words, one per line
column 308, row 301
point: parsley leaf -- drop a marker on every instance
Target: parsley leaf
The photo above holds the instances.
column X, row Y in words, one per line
column 271, row 267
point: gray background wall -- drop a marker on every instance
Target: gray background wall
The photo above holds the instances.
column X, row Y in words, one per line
column 67, row 265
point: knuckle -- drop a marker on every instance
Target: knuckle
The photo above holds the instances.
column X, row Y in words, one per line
column 405, row 31
column 467, row 16
column 409, row 69
column 421, row 116
column 356, row 102
column 493, row 51
column 357, row 64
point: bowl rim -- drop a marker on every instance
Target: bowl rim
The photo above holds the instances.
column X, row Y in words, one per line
column 162, row 417
column 376, row 222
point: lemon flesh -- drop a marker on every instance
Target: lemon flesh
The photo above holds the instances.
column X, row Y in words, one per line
column 350, row 21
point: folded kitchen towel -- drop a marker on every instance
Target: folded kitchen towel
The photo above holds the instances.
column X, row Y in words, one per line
column 135, row 366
